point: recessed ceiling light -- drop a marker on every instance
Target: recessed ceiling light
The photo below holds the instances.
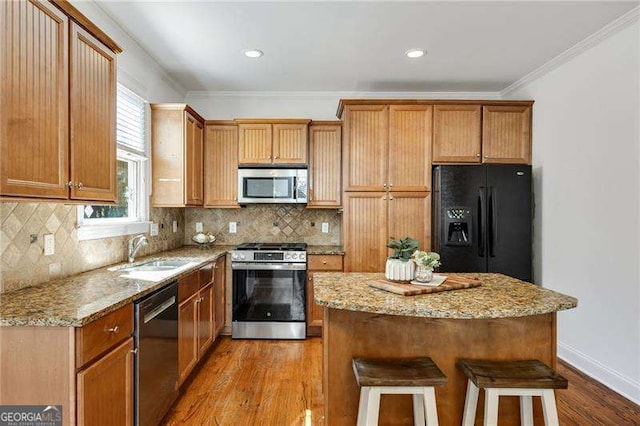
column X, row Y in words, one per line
column 414, row 53
column 253, row 53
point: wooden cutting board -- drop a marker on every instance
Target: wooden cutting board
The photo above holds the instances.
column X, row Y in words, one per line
column 453, row 282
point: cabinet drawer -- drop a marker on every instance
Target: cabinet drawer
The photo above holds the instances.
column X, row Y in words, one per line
column 188, row 286
column 206, row 274
column 97, row 337
column 324, row 262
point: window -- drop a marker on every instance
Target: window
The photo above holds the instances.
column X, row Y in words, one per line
column 130, row 215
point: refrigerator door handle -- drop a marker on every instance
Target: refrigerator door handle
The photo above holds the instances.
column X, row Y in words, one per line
column 481, row 221
column 493, row 221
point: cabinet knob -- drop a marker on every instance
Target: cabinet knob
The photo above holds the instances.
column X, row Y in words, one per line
column 391, row 198
column 310, row 278
column 390, row 185
column 113, row 329
column 134, row 351
column 324, row 262
column 79, row 185
column 69, row 184
column 384, row 185
column 478, row 155
column 277, row 156
column 486, row 156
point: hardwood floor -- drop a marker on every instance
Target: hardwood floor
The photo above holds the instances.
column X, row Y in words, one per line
column 262, row 382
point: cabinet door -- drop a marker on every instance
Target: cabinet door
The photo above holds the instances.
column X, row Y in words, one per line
column 205, row 319
column 410, row 130
column 34, row 100
column 410, row 215
column 325, row 147
column 254, row 144
column 221, row 166
column 365, row 231
column 365, row 147
column 105, row 389
column 315, row 313
column 456, row 133
column 93, row 118
column 506, row 134
column 187, row 336
column 219, row 284
column 194, row 132
column 290, row 143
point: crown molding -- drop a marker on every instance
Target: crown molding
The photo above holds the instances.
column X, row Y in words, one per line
column 343, row 94
column 594, row 39
column 164, row 75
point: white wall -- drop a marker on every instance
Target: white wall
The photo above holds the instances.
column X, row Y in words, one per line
column 313, row 105
column 136, row 68
column 586, row 160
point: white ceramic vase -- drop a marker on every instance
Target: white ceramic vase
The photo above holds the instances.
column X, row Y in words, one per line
column 397, row 270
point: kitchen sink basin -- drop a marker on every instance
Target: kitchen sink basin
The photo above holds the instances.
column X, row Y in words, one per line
column 157, row 266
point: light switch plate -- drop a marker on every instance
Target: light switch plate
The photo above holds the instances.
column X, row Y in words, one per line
column 233, row 227
column 175, row 226
column 198, row 226
column 154, row 229
column 325, row 227
column 49, row 245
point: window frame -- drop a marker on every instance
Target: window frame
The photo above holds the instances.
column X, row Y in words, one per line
column 89, row 229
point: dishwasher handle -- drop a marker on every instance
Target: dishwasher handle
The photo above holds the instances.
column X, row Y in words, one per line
column 160, row 309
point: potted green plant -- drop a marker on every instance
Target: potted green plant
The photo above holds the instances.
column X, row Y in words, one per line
column 425, row 261
column 400, row 266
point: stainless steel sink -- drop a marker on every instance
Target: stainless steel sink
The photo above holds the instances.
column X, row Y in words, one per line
column 157, row 266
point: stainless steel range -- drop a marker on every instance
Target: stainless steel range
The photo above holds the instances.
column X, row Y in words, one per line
column 269, row 291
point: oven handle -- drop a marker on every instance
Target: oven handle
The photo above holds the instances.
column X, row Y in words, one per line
column 269, row 266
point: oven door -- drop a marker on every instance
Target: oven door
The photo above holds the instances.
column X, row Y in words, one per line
column 269, row 300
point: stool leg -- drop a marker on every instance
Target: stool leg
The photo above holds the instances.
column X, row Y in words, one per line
column 362, row 408
column 470, row 405
column 549, row 408
column 491, row 407
column 373, row 406
column 418, row 409
column 526, row 411
column 431, row 410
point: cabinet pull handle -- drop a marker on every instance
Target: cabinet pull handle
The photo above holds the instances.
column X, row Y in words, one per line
column 134, row 351
column 114, row 329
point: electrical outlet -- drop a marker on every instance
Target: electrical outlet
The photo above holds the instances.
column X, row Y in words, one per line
column 325, row 227
column 233, row 227
column 198, row 226
column 49, row 245
column 175, row 226
column 154, row 229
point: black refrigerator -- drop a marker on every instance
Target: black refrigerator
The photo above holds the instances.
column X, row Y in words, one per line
column 482, row 218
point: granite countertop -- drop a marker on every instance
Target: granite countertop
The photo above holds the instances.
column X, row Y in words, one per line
column 79, row 299
column 326, row 250
column 499, row 296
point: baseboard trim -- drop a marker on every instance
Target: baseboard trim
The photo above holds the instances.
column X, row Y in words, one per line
column 617, row 382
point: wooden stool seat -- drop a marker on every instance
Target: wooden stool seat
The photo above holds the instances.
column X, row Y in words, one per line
column 530, row 374
column 401, row 372
column 525, row 379
column 414, row 376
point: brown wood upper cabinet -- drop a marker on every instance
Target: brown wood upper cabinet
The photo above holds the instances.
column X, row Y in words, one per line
column 272, row 141
column 57, row 115
column 221, row 164
column 177, row 134
column 325, row 174
column 456, row 133
column 506, row 134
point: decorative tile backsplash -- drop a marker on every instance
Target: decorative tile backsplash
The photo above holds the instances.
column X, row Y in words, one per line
column 267, row 223
column 23, row 263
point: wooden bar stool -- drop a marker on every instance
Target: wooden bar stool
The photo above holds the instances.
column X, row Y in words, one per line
column 525, row 379
column 414, row 376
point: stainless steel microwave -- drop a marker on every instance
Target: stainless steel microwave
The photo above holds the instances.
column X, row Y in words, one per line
column 286, row 186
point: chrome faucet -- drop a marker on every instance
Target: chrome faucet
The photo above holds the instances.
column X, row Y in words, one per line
column 135, row 244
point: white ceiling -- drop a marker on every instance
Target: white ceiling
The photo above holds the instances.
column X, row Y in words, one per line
column 358, row 46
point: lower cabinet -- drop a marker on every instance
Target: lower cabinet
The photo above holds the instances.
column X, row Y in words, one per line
column 315, row 313
column 105, row 388
column 219, row 284
column 187, row 336
column 205, row 319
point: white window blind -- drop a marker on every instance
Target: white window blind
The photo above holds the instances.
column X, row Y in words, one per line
column 130, row 122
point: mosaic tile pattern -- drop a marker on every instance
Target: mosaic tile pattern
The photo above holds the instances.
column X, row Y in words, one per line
column 23, row 264
column 267, row 223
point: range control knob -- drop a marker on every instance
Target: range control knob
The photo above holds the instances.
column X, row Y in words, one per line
column 287, row 256
column 234, row 256
column 302, row 256
column 294, row 256
column 242, row 256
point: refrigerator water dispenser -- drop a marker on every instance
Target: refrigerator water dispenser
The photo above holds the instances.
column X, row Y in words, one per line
column 458, row 223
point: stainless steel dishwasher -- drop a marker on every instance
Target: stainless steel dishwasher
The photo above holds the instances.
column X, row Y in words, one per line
column 156, row 341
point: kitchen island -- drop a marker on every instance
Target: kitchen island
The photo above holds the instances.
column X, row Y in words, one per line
column 504, row 319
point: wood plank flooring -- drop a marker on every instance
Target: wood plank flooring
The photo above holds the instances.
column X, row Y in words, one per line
column 279, row 383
